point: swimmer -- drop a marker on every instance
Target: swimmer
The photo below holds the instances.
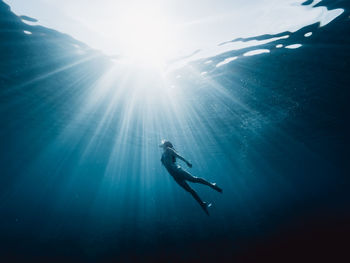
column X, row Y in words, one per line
column 168, row 159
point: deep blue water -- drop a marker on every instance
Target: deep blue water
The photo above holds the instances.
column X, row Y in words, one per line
column 81, row 178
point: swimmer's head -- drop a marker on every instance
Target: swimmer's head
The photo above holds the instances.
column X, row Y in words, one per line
column 165, row 144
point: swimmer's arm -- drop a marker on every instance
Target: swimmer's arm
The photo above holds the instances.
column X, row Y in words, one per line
column 181, row 158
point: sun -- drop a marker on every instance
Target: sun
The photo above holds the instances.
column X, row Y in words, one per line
column 145, row 36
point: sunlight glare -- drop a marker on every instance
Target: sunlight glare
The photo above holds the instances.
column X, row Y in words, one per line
column 145, row 36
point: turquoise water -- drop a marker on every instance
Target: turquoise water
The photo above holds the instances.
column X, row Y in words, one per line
column 81, row 178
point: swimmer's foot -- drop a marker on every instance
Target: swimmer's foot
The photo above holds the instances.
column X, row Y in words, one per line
column 205, row 207
column 215, row 187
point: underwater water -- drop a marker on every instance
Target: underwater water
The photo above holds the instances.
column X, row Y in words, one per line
column 81, row 178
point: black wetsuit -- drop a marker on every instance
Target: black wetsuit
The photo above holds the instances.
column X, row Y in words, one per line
column 169, row 161
column 181, row 176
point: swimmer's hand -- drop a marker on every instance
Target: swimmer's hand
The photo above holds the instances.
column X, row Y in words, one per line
column 189, row 164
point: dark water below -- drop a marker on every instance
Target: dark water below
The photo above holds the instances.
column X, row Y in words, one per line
column 81, row 178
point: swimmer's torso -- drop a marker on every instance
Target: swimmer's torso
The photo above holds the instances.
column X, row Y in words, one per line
column 169, row 161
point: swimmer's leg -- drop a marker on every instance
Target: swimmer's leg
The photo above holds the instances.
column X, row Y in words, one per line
column 189, row 177
column 185, row 186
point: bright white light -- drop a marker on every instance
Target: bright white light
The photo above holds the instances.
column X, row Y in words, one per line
column 256, row 52
column 293, row 46
column 145, row 36
column 226, row 61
